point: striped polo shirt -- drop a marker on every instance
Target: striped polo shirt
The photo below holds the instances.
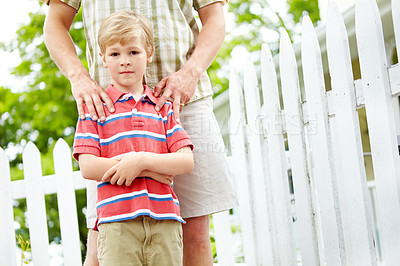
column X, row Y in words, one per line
column 175, row 34
column 133, row 127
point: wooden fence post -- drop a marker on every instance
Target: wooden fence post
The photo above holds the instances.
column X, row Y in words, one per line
column 286, row 250
column 242, row 177
column 322, row 149
column 298, row 158
column 7, row 234
column 396, row 24
column 260, row 172
column 380, row 117
column 223, row 238
column 36, row 206
column 356, row 214
column 67, row 204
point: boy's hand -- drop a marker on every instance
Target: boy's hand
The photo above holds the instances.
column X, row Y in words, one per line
column 120, row 174
column 165, row 179
column 125, row 171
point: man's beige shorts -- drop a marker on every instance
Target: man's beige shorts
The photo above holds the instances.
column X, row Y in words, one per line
column 141, row 241
column 209, row 187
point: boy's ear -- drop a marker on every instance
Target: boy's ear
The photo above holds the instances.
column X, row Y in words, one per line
column 150, row 57
column 104, row 61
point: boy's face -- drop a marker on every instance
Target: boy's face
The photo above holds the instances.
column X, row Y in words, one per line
column 126, row 63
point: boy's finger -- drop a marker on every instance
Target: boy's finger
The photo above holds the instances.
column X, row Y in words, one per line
column 129, row 181
column 114, row 178
column 108, row 175
column 121, row 181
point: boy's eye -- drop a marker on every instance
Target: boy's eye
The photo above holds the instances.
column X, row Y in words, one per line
column 114, row 54
column 134, row 52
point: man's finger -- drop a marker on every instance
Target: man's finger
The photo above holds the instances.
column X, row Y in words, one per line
column 162, row 100
column 90, row 107
column 107, row 100
column 81, row 112
column 159, row 87
column 176, row 106
column 99, row 107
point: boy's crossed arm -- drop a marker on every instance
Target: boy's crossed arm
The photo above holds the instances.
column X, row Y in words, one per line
column 125, row 168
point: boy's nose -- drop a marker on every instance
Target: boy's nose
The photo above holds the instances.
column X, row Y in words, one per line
column 125, row 62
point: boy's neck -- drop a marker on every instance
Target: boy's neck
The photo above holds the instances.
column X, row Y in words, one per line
column 136, row 91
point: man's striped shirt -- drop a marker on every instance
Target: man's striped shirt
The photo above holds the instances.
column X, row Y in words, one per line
column 133, row 127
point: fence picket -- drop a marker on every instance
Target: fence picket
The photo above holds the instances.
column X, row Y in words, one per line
column 321, row 143
column 298, row 160
column 380, row 118
column 277, row 161
column 259, row 173
column 7, row 234
column 242, row 178
column 396, row 23
column 356, row 216
column 67, row 204
column 36, row 206
column 223, row 238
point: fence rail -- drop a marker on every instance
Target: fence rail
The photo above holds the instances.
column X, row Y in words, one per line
column 313, row 143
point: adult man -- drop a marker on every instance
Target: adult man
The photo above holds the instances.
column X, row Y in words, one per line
column 182, row 54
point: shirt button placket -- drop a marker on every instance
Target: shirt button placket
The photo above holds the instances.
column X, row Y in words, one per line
column 134, row 118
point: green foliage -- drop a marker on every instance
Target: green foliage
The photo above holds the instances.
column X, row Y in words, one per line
column 44, row 110
column 257, row 23
column 25, row 247
column 297, row 8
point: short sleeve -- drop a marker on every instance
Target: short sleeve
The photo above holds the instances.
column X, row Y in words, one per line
column 197, row 4
column 177, row 137
column 76, row 4
column 87, row 139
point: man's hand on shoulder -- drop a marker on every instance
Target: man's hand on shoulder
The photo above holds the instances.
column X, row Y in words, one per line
column 86, row 91
column 180, row 86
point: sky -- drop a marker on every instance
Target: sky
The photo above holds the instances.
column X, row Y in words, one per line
column 14, row 13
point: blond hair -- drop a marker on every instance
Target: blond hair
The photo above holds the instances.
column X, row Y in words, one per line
column 123, row 25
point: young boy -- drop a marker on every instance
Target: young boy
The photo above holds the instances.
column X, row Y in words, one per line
column 133, row 154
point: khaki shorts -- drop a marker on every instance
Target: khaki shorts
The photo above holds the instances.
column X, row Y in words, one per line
column 141, row 241
column 209, row 187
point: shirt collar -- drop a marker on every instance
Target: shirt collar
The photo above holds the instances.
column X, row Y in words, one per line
column 149, row 95
column 115, row 94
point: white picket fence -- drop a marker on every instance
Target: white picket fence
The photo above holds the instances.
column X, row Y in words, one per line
column 333, row 208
